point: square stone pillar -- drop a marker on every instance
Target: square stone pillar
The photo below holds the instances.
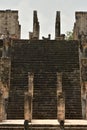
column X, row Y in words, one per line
column 28, row 98
column 60, row 99
column 28, row 107
column 30, row 83
column 59, row 83
column 60, row 107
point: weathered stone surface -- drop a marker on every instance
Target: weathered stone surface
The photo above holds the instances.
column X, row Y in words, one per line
column 28, row 98
column 2, row 108
column 57, row 25
column 30, row 83
column 36, row 28
column 60, row 107
column 84, row 69
column 60, row 99
column 58, row 35
column 44, row 125
column 80, row 26
column 84, row 99
column 44, row 59
column 5, row 67
column 9, row 20
column 59, row 83
column 28, row 107
column 6, row 46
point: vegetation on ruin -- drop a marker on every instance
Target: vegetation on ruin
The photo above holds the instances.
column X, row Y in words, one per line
column 69, row 35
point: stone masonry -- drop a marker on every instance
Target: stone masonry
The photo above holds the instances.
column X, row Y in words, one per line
column 80, row 25
column 80, row 33
column 36, row 28
column 9, row 21
column 45, row 80
column 49, row 57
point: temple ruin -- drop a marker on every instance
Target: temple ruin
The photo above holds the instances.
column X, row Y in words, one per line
column 43, row 82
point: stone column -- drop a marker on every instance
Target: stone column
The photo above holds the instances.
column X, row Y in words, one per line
column 60, row 99
column 28, row 107
column 57, row 25
column 30, row 83
column 60, row 107
column 2, row 109
column 59, row 83
column 28, row 98
column 36, row 26
column 5, row 67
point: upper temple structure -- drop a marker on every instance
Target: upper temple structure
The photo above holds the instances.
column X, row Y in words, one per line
column 9, row 22
column 43, row 82
column 36, row 28
column 58, row 35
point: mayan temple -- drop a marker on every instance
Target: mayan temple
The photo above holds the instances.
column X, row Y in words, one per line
column 43, row 82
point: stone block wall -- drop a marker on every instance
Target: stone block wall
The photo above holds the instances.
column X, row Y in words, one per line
column 9, row 21
column 5, row 67
column 80, row 25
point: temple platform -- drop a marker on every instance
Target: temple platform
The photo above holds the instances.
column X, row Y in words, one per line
column 43, row 125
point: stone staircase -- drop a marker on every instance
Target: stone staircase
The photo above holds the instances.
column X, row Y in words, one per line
column 44, row 59
column 19, row 84
column 71, row 87
column 45, row 96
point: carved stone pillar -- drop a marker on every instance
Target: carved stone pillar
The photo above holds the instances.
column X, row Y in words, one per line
column 60, row 99
column 60, row 107
column 28, row 98
column 28, row 107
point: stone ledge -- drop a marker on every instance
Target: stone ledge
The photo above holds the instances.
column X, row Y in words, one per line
column 45, row 122
column 43, row 125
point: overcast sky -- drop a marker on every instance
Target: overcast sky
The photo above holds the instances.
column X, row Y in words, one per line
column 46, row 14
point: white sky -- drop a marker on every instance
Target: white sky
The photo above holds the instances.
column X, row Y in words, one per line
column 46, row 10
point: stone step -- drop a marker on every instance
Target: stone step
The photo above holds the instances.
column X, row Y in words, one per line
column 43, row 124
